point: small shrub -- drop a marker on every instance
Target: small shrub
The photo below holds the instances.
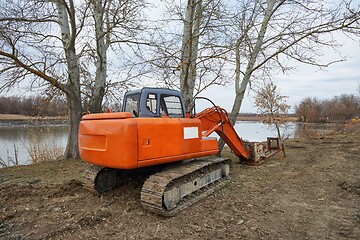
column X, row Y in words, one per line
column 11, row 161
column 45, row 152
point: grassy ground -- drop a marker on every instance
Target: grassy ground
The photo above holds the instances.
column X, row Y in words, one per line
column 313, row 194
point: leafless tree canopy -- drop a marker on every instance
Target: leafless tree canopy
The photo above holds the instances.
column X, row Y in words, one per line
column 32, row 46
column 243, row 41
column 66, row 45
column 28, row 43
column 270, row 103
column 271, row 36
column 193, row 51
column 271, row 106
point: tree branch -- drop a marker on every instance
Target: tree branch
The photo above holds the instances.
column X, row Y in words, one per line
column 54, row 82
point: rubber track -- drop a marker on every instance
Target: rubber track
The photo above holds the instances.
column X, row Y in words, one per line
column 88, row 177
column 155, row 186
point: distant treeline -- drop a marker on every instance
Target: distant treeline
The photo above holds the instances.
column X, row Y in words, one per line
column 33, row 106
column 339, row 108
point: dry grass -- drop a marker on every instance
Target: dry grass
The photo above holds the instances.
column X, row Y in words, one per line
column 47, row 152
column 349, row 127
column 10, row 161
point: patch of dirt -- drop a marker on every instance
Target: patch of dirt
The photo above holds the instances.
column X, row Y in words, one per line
column 313, row 194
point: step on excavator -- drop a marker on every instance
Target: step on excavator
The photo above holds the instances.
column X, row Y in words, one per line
column 153, row 132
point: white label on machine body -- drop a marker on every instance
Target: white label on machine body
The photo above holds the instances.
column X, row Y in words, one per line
column 191, row 132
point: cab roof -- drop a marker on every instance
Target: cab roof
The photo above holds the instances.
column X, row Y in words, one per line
column 154, row 90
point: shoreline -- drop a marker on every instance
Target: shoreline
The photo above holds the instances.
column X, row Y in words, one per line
column 14, row 120
column 260, row 119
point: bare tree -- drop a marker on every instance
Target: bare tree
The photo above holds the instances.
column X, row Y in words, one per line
column 309, row 110
column 29, row 48
column 267, row 34
column 50, row 43
column 272, row 108
column 257, row 38
column 193, row 59
column 271, row 105
column 271, row 32
column 119, row 28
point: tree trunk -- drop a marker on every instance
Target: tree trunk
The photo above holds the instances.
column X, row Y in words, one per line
column 101, row 58
column 190, row 50
column 240, row 86
column 73, row 96
column 66, row 16
column 74, row 103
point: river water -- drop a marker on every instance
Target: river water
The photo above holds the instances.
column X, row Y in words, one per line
column 16, row 142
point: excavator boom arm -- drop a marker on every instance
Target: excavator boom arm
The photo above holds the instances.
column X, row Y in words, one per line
column 216, row 119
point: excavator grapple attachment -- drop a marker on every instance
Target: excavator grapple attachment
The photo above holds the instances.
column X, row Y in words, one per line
column 261, row 151
column 168, row 192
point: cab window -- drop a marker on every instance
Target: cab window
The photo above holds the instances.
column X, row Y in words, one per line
column 132, row 104
column 151, row 103
column 171, row 106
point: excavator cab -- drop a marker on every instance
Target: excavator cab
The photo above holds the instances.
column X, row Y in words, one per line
column 154, row 102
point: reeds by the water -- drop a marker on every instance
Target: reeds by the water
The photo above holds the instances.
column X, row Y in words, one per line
column 10, row 160
column 45, row 152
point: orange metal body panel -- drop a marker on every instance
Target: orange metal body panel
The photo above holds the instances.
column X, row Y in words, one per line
column 158, row 137
column 191, row 145
column 118, row 141
column 114, row 115
column 109, row 142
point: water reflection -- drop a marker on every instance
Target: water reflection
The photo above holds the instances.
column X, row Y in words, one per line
column 15, row 142
column 257, row 131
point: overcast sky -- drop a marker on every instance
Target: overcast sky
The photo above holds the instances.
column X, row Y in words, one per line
column 306, row 81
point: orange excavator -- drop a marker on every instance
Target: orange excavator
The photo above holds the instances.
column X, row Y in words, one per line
column 153, row 130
